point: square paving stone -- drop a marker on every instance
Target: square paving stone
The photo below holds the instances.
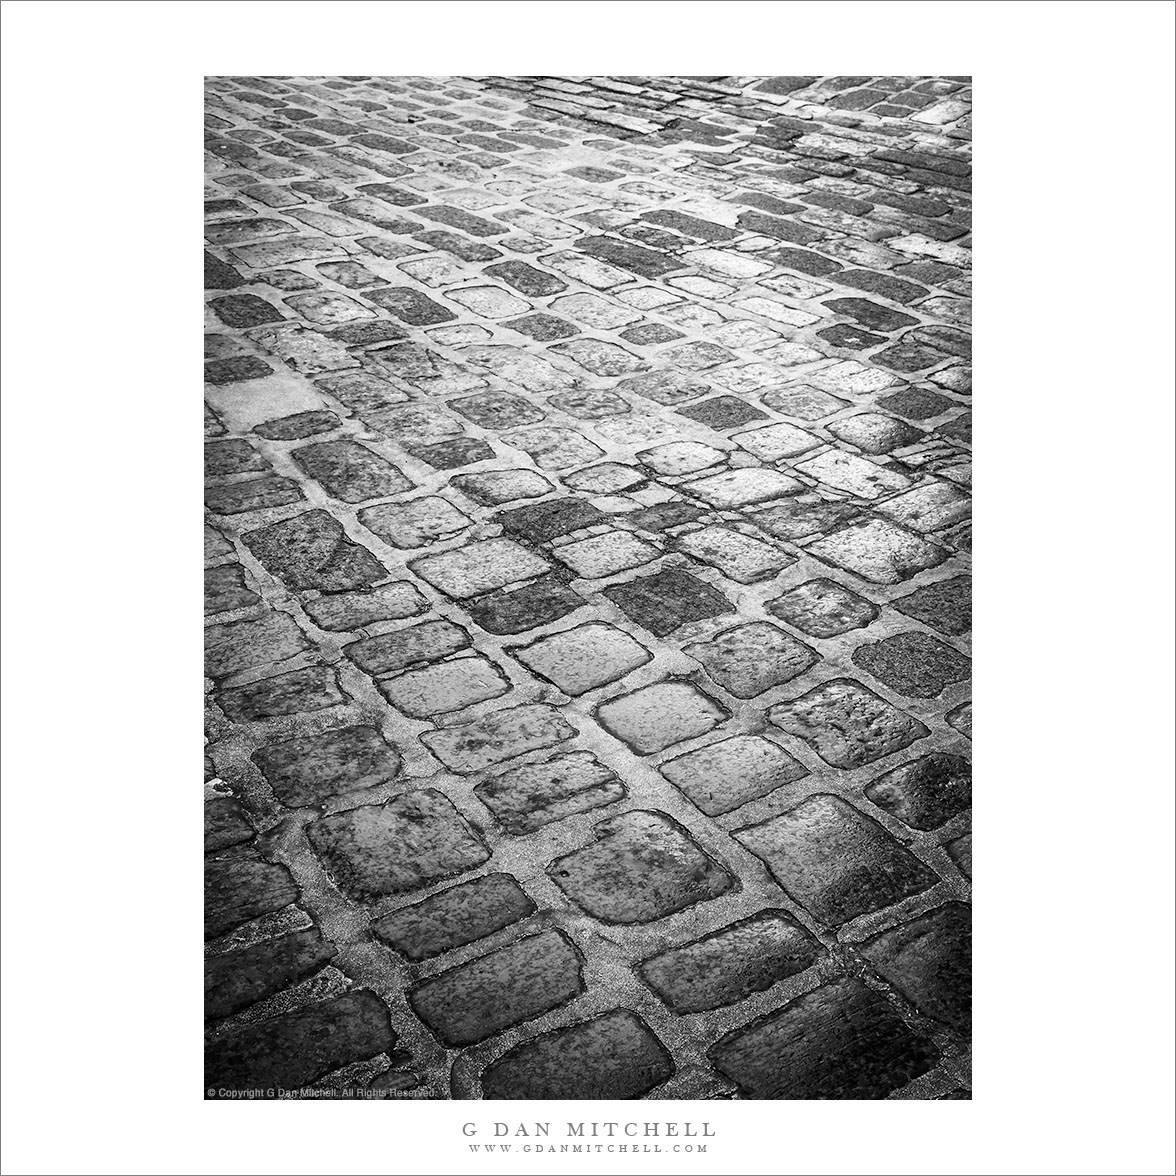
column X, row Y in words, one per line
column 251, row 644
column 846, row 724
column 776, row 442
column 543, row 327
column 520, row 609
column 518, row 983
column 926, row 792
column 222, row 458
column 590, row 404
column 283, row 694
column 388, row 652
column 946, row 605
column 722, row 776
column 803, row 403
column 316, row 768
column 534, row 795
column 914, row 664
column 450, row 686
column 462, row 914
column 613, row 1056
column 295, row 1049
column 451, row 455
column 878, row 551
column 656, row 717
column 723, row 412
column 666, row 387
column 605, row 555
column 410, row 842
column 225, row 589
column 729, row 965
column 823, row 608
column 667, row 600
column 479, row 567
column 353, row 610
column 744, row 487
column 238, row 889
column 874, row 432
column 752, row 658
column 739, row 557
column 580, row 659
column 840, row 1041
column 554, row 448
column 929, row 507
column 236, row 979
column 681, row 457
column 643, row 866
column 349, row 471
column 497, row 410
column 245, row 310
column 917, row 404
column 541, row 522
column 852, row 474
column 495, row 487
column 929, row 960
column 311, row 550
column 255, row 494
column 834, row 861
column 415, row 524
column 499, row 736
column 804, row 516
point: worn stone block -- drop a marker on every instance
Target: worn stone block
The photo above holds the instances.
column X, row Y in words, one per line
column 316, row 768
column 752, row 658
column 311, row 551
column 239, row 889
column 914, row 664
column 497, row 737
column 823, row 608
column 533, row 795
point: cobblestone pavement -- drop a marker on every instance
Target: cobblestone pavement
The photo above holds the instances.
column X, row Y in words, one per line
column 587, row 564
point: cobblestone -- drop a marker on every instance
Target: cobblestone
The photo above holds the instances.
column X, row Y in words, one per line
column 588, row 586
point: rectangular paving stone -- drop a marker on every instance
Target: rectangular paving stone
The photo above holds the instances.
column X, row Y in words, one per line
column 499, row 736
column 646, row 263
column 742, row 487
column 945, row 605
column 284, row 694
column 349, row 471
column 913, row 664
column 878, row 551
column 297, row 1048
column 236, row 979
column 580, row 659
column 543, row 521
column 722, row 776
column 533, row 795
column 518, row 983
column 428, row 691
column 235, row 369
column 823, row 608
column 667, row 600
column 225, row 589
column 846, row 724
column 410, row 306
column 517, row 610
column 254, row 494
column 251, row 644
column 526, row 279
column 462, row 914
column 729, row 965
column 354, row 610
column 738, row 556
column 225, row 824
column 835, row 861
column 479, row 567
column 311, row 550
column 643, row 866
column 840, row 1041
column 458, row 218
column 316, row 768
column 389, row 652
column 407, row 843
column 239, row 889
column 613, row 1056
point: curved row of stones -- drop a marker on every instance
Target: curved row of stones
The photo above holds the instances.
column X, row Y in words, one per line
column 587, row 577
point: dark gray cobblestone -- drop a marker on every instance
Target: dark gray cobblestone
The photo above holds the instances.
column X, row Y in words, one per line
column 587, row 583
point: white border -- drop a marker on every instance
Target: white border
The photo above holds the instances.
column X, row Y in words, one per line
column 1074, row 421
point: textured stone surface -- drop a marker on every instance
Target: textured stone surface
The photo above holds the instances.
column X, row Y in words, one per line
column 615, row 1055
column 403, row 845
column 586, row 456
column 455, row 917
column 642, row 867
column 509, row 986
column 840, row 1041
column 720, row 969
column 834, row 861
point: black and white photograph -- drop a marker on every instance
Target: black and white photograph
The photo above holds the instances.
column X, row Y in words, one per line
column 580, row 657
column 588, row 584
